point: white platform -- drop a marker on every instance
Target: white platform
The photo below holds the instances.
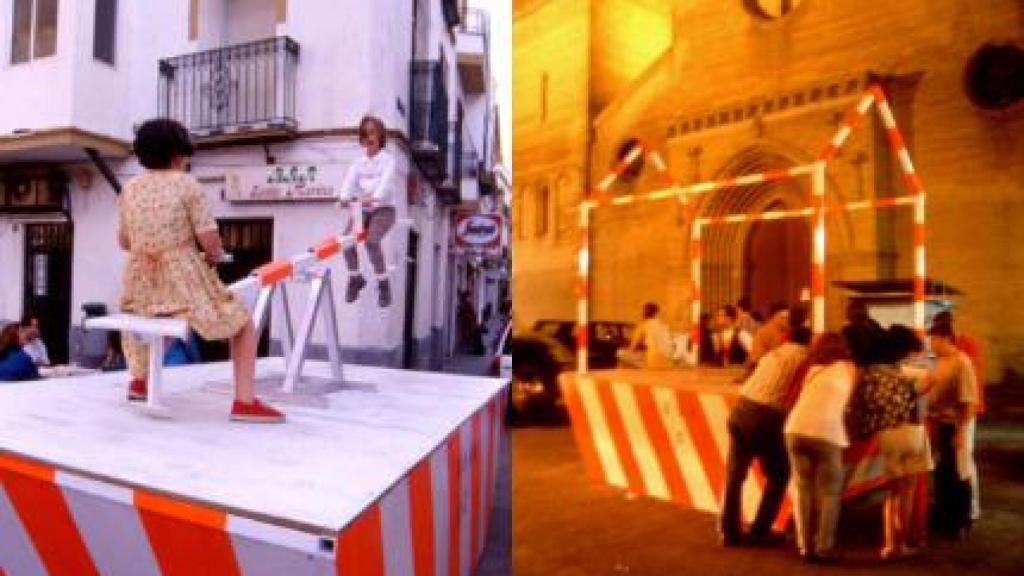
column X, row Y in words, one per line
column 315, row 473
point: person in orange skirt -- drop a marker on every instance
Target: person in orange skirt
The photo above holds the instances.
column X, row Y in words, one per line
column 163, row 216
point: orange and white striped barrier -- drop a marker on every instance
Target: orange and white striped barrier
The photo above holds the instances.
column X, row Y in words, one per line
column 670, row 442
column 432, row 522
column 818, row 210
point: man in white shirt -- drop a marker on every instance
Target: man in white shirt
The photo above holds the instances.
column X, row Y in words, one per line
column 755, row 431
column 31, row 342
column 370, row 184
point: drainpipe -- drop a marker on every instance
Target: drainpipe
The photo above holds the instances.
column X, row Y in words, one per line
column 104, row 169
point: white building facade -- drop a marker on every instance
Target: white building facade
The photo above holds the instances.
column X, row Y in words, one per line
column 272, row 91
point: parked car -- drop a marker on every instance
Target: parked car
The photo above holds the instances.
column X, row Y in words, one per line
column 549, row 349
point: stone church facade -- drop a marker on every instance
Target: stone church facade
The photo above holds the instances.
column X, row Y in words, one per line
column 732, row 87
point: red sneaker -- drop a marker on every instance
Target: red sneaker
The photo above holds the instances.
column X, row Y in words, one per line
column 137, row 391
column 255, row 412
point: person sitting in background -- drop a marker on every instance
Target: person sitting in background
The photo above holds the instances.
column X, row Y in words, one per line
column 744, row 318
column 32, row 342
column 771, row 334
column 651, row 345
column 755, row 431
column 114, row 359
column 181, row 352
column 732, row 345
column 885, row 406
column 815, row 438
column 15, row 364
column 951, row 406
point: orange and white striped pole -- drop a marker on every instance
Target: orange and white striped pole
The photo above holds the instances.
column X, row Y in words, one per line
column 695, row 302
column 818, row 250
column 852, row 120
column 583, row 255
column 899, row 148
column 583, row 290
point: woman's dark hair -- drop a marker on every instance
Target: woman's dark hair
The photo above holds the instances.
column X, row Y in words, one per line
column 866, row 343
column 830, row 347
column 650, row 310
column 730, row 311
column 800, row 335
column 369, row 120
column 942, row 330
column 901, row 342
column 797, row 316
column 159, row 141
column 9, row 338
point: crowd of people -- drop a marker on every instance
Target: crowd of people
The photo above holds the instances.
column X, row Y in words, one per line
column 803, row 404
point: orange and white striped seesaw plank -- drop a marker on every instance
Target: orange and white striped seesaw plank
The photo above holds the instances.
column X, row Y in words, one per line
column 432, row 522
column 670, row 442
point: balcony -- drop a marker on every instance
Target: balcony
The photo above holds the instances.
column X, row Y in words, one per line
column 234, row 93
column 472, row 46
column 428, row 119
column 450, row 189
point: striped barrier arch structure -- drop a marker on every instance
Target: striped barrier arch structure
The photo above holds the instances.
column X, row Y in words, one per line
column 875, row 98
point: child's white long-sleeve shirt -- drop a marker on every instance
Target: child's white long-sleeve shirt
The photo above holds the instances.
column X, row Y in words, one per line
column 371, row 180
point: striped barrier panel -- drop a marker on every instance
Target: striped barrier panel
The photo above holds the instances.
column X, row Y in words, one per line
column 432, row 522
column 671, row 443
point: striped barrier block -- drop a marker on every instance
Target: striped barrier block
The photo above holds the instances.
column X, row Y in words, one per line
column 433, row 521
column 670, row 442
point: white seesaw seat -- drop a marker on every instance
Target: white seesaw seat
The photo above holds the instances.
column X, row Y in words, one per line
column 153, row 331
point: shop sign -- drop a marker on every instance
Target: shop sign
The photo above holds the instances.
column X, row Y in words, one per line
column 478, row 234
column 284, row 183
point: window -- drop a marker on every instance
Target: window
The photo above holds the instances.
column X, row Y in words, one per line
column 543, row 206
column 34, row 33
column 544, row 97
column 771, row 9
column 104, row 37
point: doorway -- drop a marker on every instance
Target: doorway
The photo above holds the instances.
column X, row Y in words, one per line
column 408, row 328
column 250, row 241
column 47, row 285
column 777, row 261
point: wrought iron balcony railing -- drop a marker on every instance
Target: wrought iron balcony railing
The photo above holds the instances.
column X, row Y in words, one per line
column 235, row 89
column 428, row 118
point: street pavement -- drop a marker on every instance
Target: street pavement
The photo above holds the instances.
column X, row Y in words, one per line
column 566, row 525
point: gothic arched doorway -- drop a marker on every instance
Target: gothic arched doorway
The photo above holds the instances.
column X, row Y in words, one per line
column 776, row 260
column 769, row 261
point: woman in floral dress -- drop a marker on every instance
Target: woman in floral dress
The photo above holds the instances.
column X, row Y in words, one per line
column 163, row 221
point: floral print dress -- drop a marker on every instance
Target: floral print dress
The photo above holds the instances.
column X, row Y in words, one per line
column 160, row 214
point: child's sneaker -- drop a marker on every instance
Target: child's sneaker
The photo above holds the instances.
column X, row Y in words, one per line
column 384, row 293
column 137, row 390
column 255, row 412
column 355, row 285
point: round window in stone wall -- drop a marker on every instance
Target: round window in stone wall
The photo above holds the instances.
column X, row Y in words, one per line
column 771, row 9
column 994, row 76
